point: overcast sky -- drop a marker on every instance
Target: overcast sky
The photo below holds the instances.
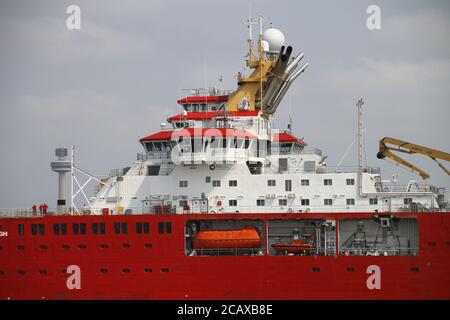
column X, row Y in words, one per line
column 102, row 87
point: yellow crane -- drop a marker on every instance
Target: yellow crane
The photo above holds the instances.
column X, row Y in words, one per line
column 388, row 144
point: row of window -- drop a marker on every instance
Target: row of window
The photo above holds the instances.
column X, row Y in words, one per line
column 215, row 183
column 270, row 183
column 304, row 202
column 97, row 228
column 23, row 272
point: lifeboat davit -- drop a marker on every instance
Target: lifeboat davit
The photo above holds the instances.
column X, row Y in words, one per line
column 245, row 238
column 296, row 246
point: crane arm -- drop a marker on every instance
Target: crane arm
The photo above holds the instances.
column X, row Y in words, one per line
column 410, row 148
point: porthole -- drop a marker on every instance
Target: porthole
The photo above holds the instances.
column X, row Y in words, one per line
column 2, row 272
column 350, row 269
column 65, row 247
column 43, row 247
column 415, row 269
column 103, row 270
column 43, row 272
column 315, row 269
column 148, row 246
column 126, row 270
column 64, row 271
column 104, row 246
column 82, row 246
column 165, row 270
column 126, row 246
column 20, row 247
column 432, row 243
column 148, row 270
column 21, row 272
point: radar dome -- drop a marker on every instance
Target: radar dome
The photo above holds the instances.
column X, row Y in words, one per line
column 275, row 38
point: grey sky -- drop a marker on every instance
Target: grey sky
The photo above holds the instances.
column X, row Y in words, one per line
column 117, row 78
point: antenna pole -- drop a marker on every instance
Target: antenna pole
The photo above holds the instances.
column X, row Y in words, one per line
column 359, row 105
column 72, row 148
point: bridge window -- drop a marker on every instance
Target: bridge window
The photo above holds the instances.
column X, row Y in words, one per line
column 232, row 203
column 282, row 202
column 216, row 183
column 407, row 200
column 328, row 202
column 373, row 201
column 305, row 202
column 305, row 182
column 232, row 183
column 350, row 182
column 98, row 228
column 327, row 182
column 350, row 202
column 271, row 183
column 260, row 202
column 34, row 229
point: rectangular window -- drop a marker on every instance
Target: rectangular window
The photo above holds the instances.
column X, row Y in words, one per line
column 95, row 228
column 288, row 185
column 373, row 201
column 216, row 183
column 351, row 182
column 83, row 228
column 327, row 182
column 328, row 202
column 75, row 228
column 260, row 202
column 183, row 184
column 282, row 202
column 232, row 183
column 232, row 203
column 168, row 227
column 407, row 200
column 56, row 229
column 41, row 229
column 116, row 227
column 146, row 227
column 124, row 227
column 208, row 179
column 161, row 227
column 102, row 228
column 271, row 183
column 139, row 227
column 350, row 202
column 21, row 229
column 305, row 202
column 305, row 182
column 63, row 228
column 34, row 229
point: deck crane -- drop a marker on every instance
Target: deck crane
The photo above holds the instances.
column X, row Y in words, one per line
column 388, row 144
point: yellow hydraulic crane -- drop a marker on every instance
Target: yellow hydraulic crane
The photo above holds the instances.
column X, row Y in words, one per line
column 388, row 144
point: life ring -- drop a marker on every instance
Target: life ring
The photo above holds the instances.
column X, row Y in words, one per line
column 212, row 211
column 212, row 167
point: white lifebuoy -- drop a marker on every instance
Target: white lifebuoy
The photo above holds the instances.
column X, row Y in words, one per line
column 212, row 167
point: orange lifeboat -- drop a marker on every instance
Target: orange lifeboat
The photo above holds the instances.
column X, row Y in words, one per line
column 296, row 246
column 244, row 238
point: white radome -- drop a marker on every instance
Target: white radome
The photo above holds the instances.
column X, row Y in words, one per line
column 275, row 39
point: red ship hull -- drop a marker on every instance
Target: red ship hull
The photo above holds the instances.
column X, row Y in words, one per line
column 155, row 265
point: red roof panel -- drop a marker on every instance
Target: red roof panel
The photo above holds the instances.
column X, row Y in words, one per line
column 287, row 137
column 208, row 115
column 198, row 132
column 203, row 99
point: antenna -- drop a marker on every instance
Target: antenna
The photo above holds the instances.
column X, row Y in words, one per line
column 361, row 155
